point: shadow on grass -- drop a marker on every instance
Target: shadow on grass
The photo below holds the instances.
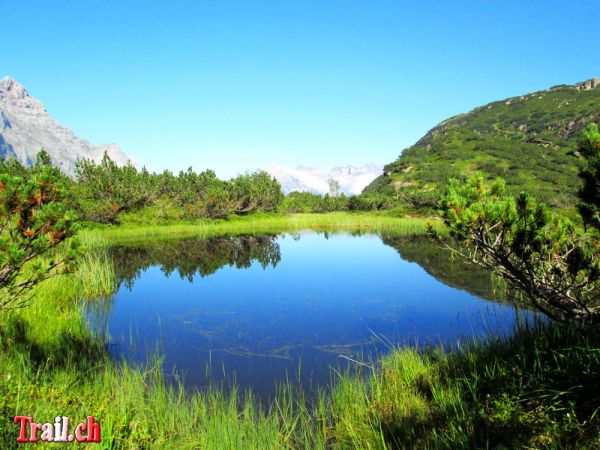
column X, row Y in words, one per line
column 539, row 388
column 68, row 348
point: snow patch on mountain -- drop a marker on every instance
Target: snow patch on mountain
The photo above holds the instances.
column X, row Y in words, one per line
column 311, row 179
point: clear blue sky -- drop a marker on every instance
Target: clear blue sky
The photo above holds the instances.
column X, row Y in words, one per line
column 237, row 86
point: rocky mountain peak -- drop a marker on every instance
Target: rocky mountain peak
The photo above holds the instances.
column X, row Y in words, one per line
column 14, row 94
column 26, row 127
column 11, row 87
column 588, row 85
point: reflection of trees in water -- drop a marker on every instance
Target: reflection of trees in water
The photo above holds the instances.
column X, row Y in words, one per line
column 439, row 263
column 194, row 256
column 187, row 256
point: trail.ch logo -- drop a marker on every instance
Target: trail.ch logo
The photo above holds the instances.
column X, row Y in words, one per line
column 58, row 431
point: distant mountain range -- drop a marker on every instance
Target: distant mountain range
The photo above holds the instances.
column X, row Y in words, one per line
column 26, row 127
column 529, row 140
column 310, row 179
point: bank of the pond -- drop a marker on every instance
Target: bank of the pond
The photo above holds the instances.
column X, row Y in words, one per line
column 270, row 223
column 537, row 389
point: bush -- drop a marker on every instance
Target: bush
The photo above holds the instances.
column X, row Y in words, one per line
column 34, row 220
column 538, row 253
column 105, row 191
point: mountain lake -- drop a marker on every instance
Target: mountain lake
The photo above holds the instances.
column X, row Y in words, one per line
column 257, row 310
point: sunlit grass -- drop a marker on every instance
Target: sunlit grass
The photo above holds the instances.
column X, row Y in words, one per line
column 96, row 271
column 267, row 223
column 536, row 389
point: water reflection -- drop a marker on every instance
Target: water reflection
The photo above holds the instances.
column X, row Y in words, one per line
column 259, row 308
column 192, row 256
column 438, row 261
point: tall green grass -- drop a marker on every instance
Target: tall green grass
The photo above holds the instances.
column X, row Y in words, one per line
column 96, row 271
column 536, row 389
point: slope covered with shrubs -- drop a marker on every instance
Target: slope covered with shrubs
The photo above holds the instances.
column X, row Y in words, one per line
column 530, row 141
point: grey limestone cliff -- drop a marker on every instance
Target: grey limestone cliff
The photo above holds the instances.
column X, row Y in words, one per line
column 26, row 127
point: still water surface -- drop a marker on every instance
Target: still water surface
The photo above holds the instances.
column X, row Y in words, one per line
column 258, row 309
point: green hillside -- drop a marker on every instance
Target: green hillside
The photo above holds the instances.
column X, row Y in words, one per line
column 529, row 140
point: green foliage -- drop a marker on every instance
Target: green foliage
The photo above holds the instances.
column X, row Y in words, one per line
column 302, row 202
column 538, row 252
column 536, row 389
column 42, row 159
column 104, row 190
column 589, row 205
column 106, row 193
column 531, row 141
column 34, row 220
column 13, row 167
column 332, row 203
column 201, row 195
column 372, row 202
column 307, row 202
column 255, row 192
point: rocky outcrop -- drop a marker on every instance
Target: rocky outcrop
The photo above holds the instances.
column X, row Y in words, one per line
column 588, row 84
column 26, row 127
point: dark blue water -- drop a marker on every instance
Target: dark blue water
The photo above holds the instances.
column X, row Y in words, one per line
column 259, row 309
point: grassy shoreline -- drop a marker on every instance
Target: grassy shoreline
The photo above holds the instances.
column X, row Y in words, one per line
column 268, row 223
column 52, row 364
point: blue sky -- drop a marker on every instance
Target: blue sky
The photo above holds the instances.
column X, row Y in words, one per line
column 236, row 86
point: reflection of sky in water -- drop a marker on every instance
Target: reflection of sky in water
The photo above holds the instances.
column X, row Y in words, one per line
column 325, row 298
